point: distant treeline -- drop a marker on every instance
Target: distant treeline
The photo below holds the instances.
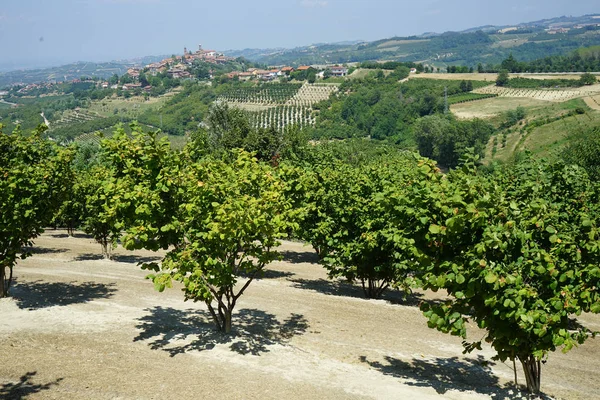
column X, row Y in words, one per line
column 391, row 65
column 581, row 60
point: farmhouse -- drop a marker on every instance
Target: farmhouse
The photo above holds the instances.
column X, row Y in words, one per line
column 245, row 76
column 131, row 86
column 133, row 72
column 339, row 71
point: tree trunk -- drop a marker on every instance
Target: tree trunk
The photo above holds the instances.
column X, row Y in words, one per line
column 3, row 289
column 227, row 322
column 221, row 317
column 106, row 249
column 374, row 288
column 5, row 280
column 533, row 373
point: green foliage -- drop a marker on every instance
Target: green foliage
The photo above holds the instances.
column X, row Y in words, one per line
column 587, row 79
column 512, row 117
column 33, row 176
column 580, row 60
column 518, row 251
column 219, row 220
column 446, row 140
column 502, row 79
column 583, row 149
column 528, row 83
column 99, row 196
column 467, row 97
column 229, row 128
column 344, row 220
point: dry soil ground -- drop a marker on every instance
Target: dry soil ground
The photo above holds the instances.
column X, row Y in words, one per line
column 79, row 327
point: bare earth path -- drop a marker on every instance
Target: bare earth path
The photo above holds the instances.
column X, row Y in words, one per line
column 79, row 327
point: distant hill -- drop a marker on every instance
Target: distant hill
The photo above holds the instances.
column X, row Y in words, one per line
column 73, row 71
column 484, row 44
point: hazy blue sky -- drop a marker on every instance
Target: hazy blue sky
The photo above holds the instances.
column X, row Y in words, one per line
column 35, row 32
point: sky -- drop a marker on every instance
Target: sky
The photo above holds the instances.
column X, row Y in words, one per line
column 35, row 33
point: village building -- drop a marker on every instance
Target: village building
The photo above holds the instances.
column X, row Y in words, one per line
column 131, row 86
column 339, row 71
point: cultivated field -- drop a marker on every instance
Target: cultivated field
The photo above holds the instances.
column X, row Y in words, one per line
column 280, row 104
column 553, row 123
column 593, row 102
column 132, row 106
column 79, row 327
column 75, row 116
column 557, row 95
column 492, row 107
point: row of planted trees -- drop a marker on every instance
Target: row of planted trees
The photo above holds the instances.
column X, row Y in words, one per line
column 516, row 249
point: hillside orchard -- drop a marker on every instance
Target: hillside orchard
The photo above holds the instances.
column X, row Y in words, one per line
column 515, row 247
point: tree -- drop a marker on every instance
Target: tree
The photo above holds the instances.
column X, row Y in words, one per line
column 587, row 79
column 518, row 252
column 33, row 176
column 219, row 220
column 143, row 80
column 502, row 79
column 344, row 220
column 100, row 199
column 226, row 230
column 446, row 140
column 228, row 127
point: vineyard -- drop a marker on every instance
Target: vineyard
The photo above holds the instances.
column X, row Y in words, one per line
column 466, row 97
column 266, row 94
column 539, row 94
column 279, row 104
column 281, row 116
column 75, row 116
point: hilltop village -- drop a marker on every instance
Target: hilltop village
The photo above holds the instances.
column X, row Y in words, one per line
column 186, row 66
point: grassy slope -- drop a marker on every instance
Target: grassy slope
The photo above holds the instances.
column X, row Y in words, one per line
column 546, row 140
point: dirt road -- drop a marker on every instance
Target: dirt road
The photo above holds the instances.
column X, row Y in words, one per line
column 79, row 327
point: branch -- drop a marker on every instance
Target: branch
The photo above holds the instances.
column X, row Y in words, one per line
column 250, row 279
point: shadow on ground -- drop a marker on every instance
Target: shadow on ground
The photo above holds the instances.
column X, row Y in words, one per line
column 124, row 258
column 44, row 250
column 296, row 257
column 346, row 289
column 444, row 374
column 177, row 331
column 24, row 388
column 272, row 274
column 75, row 235
column 39, row 294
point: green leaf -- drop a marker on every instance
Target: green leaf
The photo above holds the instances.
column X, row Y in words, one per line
column 490, row 277
column 435, row 229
